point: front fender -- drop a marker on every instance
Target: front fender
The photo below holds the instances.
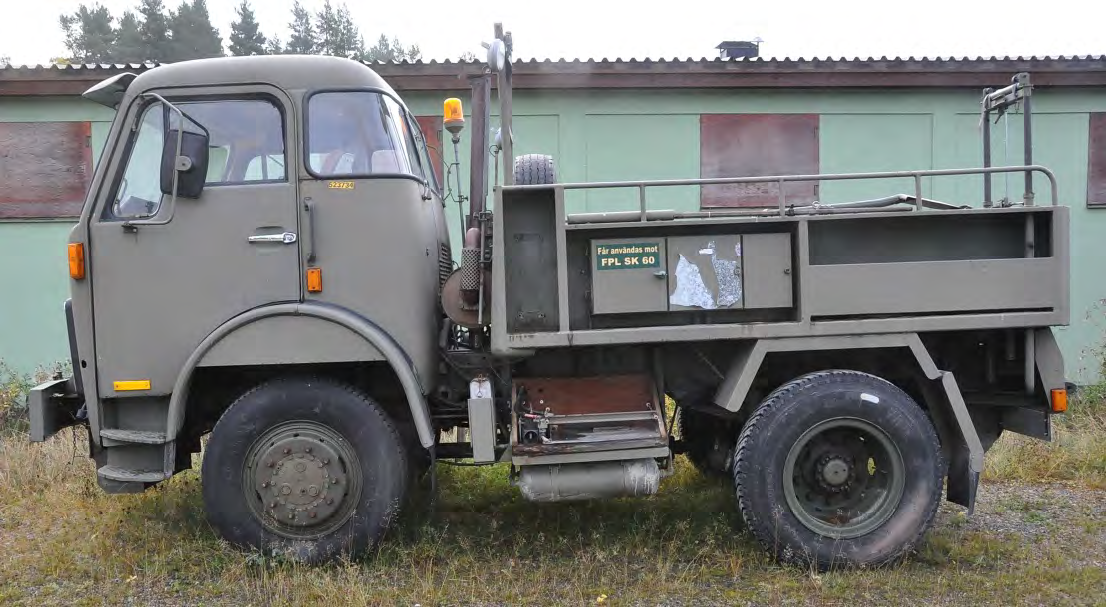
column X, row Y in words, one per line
column 379, row 345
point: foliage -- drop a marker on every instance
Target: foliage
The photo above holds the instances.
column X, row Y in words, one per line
column 245, row 33
column 13, row 393
column 5, row 60
column 89, row 34
column 129, row 44
column 392, row 50
column 151, row 32
column 303, row 38
column 337, row 35
column 154, row 31
column 191, row 34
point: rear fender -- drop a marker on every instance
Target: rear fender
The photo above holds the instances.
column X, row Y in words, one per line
column 966, row 451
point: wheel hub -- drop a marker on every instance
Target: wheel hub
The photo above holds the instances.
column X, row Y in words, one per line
column 304, row 485
column 305, row 479
column 835, row 473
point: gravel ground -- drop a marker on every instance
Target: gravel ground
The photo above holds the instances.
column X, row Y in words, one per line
column 1046, row 514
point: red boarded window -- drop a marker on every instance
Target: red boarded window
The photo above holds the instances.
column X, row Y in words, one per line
column 1096, row 164
column 749, row 145
column 432, row 127
column 45, row 168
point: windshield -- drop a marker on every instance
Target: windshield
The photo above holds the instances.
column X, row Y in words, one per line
column 359, row 134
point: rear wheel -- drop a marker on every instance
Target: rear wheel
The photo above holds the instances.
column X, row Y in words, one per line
column 839, row 468
column 306, row 468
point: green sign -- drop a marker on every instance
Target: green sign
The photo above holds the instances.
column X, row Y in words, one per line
column 627, row 256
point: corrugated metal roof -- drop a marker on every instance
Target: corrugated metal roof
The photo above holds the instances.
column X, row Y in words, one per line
column 653, row 73
column 827, row 61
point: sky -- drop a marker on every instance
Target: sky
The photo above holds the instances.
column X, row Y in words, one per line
column 596, row 29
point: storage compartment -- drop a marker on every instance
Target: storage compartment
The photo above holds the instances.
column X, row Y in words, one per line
column 705, row 273
column 694, row 273
column 629, row 275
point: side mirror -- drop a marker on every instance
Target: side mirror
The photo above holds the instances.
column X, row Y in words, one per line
column 184, row 174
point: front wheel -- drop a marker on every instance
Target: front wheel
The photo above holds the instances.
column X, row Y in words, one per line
column 307, row 468
column 838, row 468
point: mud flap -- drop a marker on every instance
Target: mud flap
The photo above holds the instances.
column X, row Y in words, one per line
column 966, row 465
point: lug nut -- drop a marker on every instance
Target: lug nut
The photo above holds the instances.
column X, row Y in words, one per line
column 287, row 450
column 326, row 461
column 269, row 464
column 329, row 501
column 307, row 450
column 272, row 504
column 312, row 515
column 291, row 515
column 265, row 484
column 334, row 481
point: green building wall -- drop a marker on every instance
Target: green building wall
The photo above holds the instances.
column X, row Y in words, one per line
column 621, row 135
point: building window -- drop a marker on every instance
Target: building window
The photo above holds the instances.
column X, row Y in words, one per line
column 45, row 169
column 1096, row 162
column 749, row 145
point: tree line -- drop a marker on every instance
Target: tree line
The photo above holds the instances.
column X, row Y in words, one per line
column 151, row 32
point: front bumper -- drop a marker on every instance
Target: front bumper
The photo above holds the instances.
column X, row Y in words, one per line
column 53, row 406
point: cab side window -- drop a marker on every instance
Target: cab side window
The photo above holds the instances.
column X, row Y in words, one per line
column 247, row 147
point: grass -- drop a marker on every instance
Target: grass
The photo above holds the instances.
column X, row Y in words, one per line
column 1077, row 451
column 64, row 542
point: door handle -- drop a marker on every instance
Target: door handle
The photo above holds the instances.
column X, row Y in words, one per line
column 285, row 238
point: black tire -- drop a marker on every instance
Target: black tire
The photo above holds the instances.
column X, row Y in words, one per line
column 535, row 169
column 369, row 470
column 708, row 441
column 800, row 408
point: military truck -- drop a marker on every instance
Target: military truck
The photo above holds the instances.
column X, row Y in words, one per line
column 263, row 260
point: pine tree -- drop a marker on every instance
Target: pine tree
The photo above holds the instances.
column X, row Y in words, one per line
column 392, row 50
column 154, row 31
column 245, row 33
column 303, row 40
column 5, row 61
column 337, row 34
column 129, row 47
column 89, row 34
column 274, row 47
column 192, row 36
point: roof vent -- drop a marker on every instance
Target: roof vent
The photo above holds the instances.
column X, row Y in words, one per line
column 735, row 49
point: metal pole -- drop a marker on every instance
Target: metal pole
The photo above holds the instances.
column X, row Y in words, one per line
column 1028, row 145
column 986, row 150
column 918, row 191
column 478, row 150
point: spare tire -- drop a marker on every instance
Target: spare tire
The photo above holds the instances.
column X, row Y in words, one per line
column 534, row 169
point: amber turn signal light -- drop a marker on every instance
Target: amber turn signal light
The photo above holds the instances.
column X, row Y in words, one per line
column 76, row 260
column 314, row 280
column 1059, row 401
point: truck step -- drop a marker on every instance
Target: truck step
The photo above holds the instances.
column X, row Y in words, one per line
column 143, row 437
column 116, row 473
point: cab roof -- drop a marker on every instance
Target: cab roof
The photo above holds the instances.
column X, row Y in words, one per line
column 288, row 72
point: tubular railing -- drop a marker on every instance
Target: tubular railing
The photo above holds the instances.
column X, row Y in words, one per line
column 782, row 179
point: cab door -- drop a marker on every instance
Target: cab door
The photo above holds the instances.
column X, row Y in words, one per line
column 167, row 272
